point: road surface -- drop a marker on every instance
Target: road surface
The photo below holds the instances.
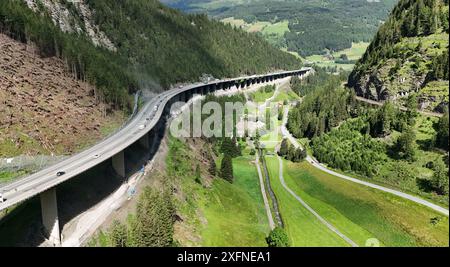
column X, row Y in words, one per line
column 317, row 164
column 379, row 103
column 149, row 116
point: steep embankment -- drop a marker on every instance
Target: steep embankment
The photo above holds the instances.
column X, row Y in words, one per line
column 43, row 108
column 121, row 46
column 408, row 54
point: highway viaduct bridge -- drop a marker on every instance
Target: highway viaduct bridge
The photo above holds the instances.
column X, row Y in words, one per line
column 145, row 129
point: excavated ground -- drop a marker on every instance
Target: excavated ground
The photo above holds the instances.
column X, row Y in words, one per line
column 43, row 108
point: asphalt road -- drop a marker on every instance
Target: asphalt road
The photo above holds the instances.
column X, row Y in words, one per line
column 318, row 165
column 38, row 182
column 380, row 103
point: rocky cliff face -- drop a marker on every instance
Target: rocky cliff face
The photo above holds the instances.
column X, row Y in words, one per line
column 72, row 16
column 383, row 84
column 409, row 54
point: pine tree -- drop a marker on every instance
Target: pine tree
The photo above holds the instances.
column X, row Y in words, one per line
column 198, row 174
column 118, row 234
column 212, row 167
column 226, row 168
column 411, row 105
column 441, row 139
column 277, row 238
column 406, row 144
column 291, row 153
column 440, row 178
column 231, row 147
column 153, row 226
column 303, row 154
column 283, row 147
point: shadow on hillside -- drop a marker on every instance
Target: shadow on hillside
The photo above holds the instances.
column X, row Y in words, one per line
column 424, row 185
column 83, row 192
column 22, row 227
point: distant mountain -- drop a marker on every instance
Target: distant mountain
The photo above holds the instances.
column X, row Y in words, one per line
column 308, row 27
column 408, row 54
column 121, row 46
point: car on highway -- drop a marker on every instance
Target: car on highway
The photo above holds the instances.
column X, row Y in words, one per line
column 142, row 126
column 96, row 156
column 60, row 173
column 2, row 199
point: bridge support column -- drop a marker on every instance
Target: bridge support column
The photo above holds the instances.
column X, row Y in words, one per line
column 49, row 209
column 154, row 136
column 144, row 141
column 118, row 163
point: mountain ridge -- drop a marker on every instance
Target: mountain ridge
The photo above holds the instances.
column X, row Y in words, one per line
column 409, row 54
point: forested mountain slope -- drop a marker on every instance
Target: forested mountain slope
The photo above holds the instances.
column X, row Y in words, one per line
column 307, row 27
column 121, row 46
column 408, row 54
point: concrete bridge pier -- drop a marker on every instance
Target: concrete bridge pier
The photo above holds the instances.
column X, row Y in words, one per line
column 189, row 95
column 182, row 97
column 118, row 163
column 49, row 210
column 144, row 141
column 154, row 137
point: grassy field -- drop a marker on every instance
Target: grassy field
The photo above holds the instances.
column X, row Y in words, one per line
column 7, row 176
column 362, row 212
column 235, row 212
column 286, row 94
column 261, row 95
column 277, row 29
column 216, row 212
column 272, row 32
column 265, row 27
column 353, row 53
column 301, row 226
